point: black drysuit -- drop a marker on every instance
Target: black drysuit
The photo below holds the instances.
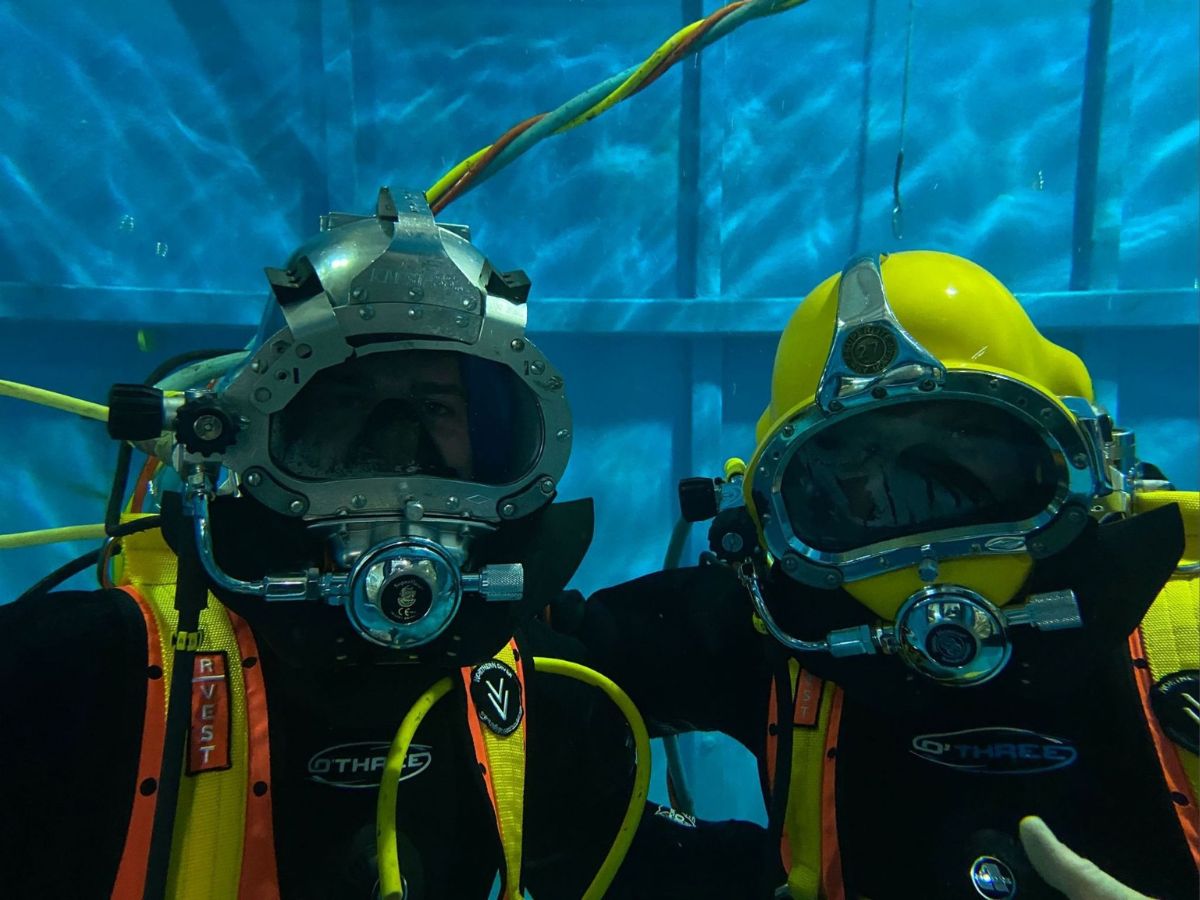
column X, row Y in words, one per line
column 909, row 825
column 75, row 666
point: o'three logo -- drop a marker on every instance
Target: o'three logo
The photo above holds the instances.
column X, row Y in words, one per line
column 359, row 766
column 995, row 751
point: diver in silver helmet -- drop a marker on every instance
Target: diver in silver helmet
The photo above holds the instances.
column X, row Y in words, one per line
column 360, row 509
column 393, row 404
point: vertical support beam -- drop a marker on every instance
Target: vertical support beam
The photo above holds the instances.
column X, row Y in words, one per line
column 1094, row 76
column 687, row 234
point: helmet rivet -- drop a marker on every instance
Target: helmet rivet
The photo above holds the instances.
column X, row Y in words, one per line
column 790, row 563
column 414, row 510
column 517, row 344
column 836, row 406
column 993, row 384
column 508, row 509
column 1079, row 461
column 357, row 293
column 366, row 312
column 927, row 571
column 296, row 507
column 281, row 375
column 280, row 346
column 451, row 503
column 257, row 366
column 832, row 579
column 262, row 395
column 254, row 479
column 554, row 383
column 1046, row 414
column 460, row 320
column 358, row 501
column 788, row 431
column 468, row 303
column 546, row 485
column 879, row 393
column 927, row 385
column 414, row 313
column 303, row 351
column 537, row 367
column 562, row 434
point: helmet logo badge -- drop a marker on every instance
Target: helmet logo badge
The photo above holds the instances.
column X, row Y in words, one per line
column 993, row 879
column 869, row 349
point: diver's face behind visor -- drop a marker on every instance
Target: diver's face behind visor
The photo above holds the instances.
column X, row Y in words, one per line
column 923, row 445
column 421, row 412
column 392, row 402
column 910, row 469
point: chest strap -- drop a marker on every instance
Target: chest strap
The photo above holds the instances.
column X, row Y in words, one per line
column 809, row 846
column 495, row 700
column 223, row 842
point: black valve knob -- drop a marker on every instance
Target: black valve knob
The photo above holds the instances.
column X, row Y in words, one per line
column 135, row 412
column 203, row 427
column 699, row 499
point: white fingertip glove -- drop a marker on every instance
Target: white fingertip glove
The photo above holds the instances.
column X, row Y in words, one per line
column 1066, row 870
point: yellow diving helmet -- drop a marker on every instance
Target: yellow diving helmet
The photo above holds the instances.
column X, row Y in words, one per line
column 923, row 444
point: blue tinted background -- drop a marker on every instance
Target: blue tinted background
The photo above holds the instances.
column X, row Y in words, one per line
column 155, row 156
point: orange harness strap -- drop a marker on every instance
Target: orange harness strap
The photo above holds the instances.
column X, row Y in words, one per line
column 131, row 874
column 1168, row 757
column 259, row 875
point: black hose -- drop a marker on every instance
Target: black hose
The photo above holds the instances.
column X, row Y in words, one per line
column 191, row 596
column 75, row 566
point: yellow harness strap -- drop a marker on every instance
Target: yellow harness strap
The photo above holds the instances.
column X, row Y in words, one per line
column 809, row 848
column 495, row 696
column 206, row 850
column 1171, row 628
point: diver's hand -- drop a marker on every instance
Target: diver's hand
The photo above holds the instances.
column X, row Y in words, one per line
column 1062, row 868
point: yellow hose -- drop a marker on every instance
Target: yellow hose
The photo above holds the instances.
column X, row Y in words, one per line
column 391, row 884
column 51, row 536
column 641, row 779
column 83, row 408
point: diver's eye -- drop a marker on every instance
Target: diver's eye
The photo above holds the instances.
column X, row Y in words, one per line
column 436, row 409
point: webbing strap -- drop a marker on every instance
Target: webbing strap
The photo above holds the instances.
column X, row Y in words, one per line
column 131, row 873
column 259, row 877
column 223, row 843
column 809, row 847
column 501, row 760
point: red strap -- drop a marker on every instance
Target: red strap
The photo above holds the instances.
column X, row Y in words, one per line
column 260, row 875
column 131, row 874
column 1168, row 754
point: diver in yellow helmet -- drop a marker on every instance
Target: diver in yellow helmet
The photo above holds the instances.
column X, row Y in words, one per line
column 925, row 475
column 953, row 546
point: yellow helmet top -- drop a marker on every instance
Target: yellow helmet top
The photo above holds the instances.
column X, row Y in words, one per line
column 955, row 309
